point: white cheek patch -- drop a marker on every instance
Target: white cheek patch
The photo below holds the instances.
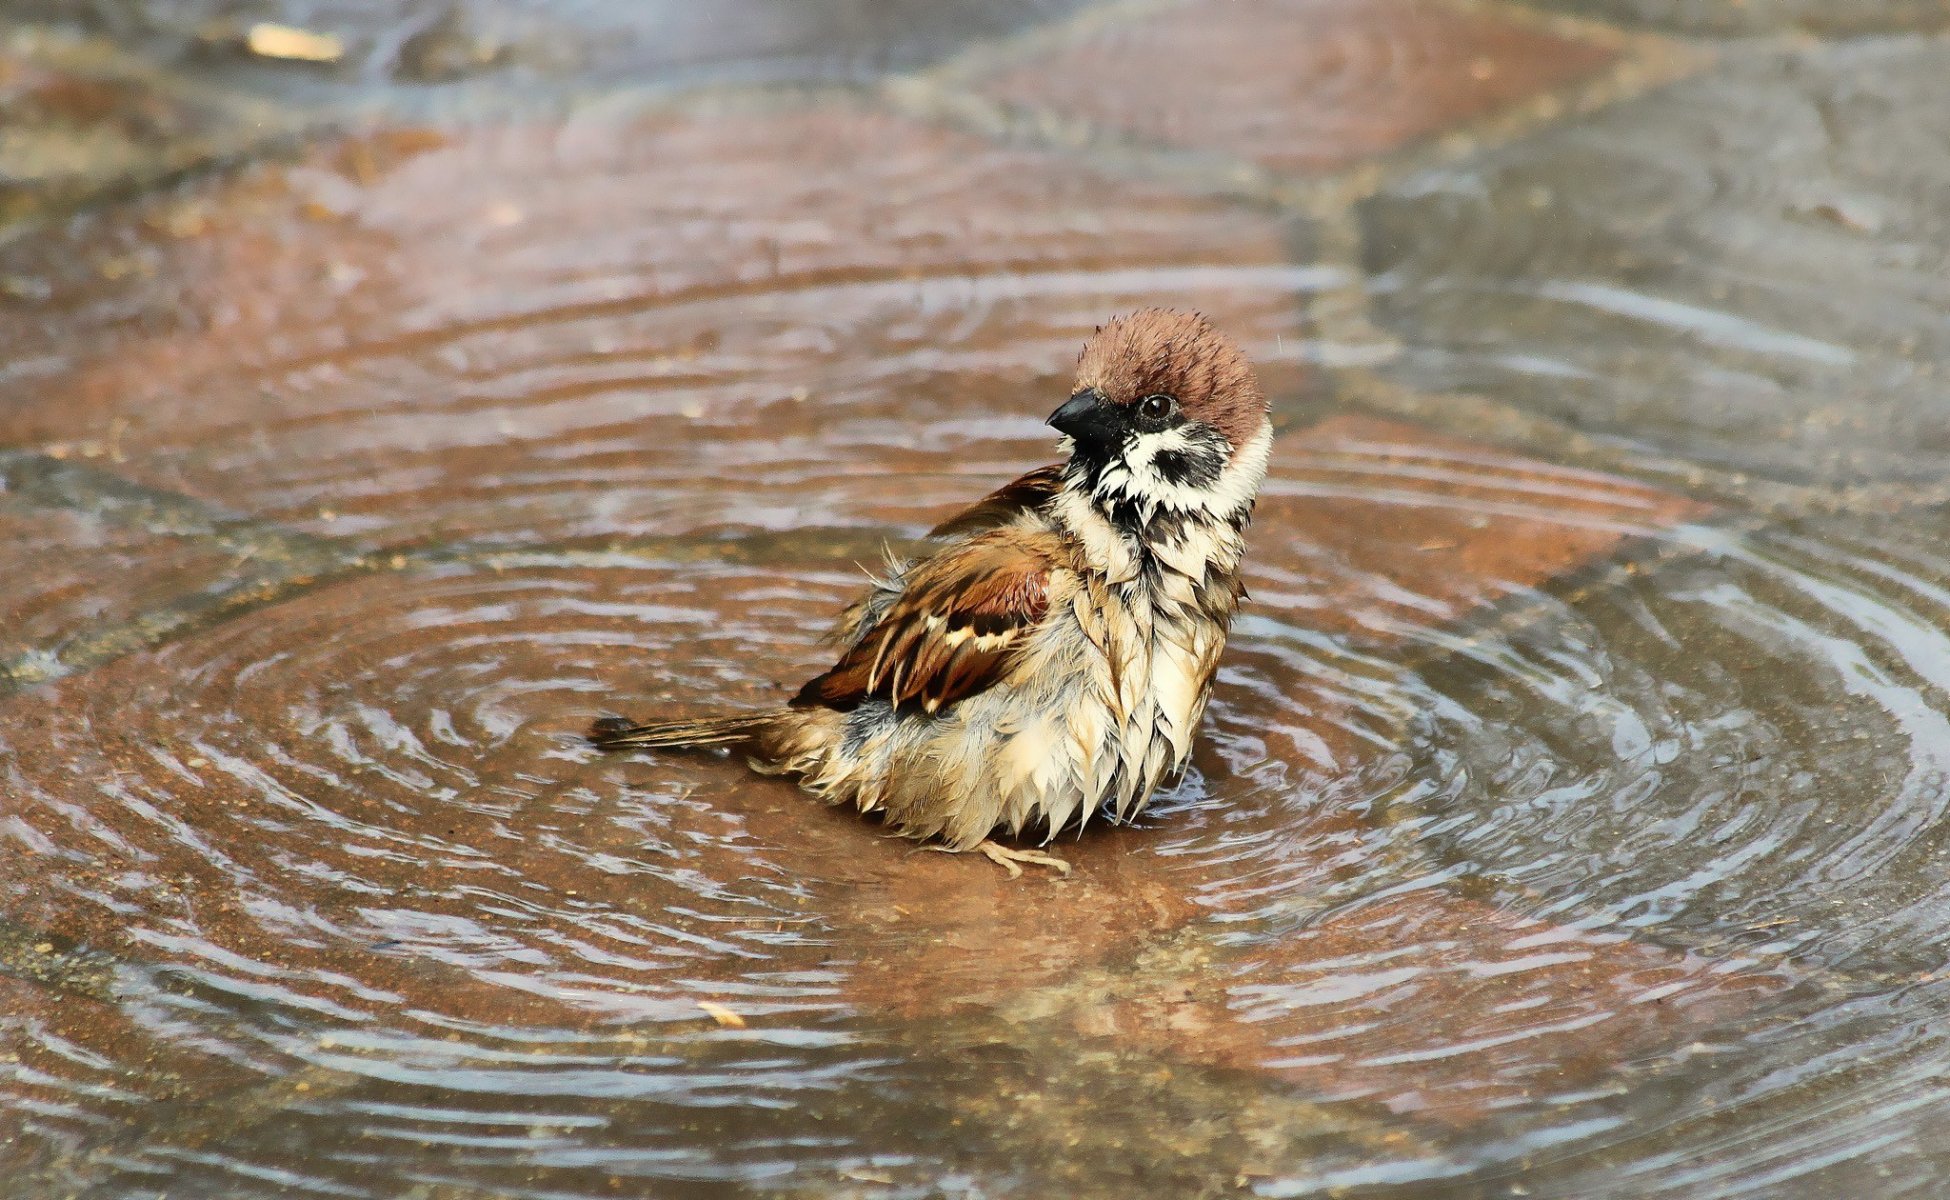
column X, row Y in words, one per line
column 1239, row 483
column 1138, row 479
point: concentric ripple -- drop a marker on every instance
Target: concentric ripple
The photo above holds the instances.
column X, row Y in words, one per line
column 1742, row 751
column 347, row 851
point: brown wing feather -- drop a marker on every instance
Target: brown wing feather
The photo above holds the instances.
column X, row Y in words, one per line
column 954, row 630
column 993, row 511
column 1001, row 506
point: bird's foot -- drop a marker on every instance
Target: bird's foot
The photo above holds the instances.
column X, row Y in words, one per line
column 1007, row 857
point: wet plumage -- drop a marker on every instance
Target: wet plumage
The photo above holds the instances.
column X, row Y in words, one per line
column 1052, row 655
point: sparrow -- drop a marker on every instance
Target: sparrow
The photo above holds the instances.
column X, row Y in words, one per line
column 1051, row 654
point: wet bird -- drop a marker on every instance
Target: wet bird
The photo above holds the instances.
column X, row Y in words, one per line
column 1051, row 655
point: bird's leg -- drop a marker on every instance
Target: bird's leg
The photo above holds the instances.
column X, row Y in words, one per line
column 1007, row 857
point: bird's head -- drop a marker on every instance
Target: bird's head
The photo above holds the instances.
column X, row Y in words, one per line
column 1166, row 416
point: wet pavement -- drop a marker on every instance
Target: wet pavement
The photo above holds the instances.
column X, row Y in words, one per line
column 1569, row 819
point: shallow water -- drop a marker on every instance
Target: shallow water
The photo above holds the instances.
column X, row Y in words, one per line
column 1569, row 815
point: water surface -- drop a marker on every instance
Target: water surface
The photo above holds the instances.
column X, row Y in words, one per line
column 1569, row 814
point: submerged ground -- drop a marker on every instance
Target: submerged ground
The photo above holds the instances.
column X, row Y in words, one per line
column 1570, row 819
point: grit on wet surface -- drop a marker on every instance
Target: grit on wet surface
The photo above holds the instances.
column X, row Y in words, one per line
column 1554, row 830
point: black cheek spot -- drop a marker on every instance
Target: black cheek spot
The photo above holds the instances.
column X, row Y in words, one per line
column 1197, row 468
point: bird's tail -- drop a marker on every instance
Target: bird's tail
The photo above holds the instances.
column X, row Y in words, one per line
column 734, row 729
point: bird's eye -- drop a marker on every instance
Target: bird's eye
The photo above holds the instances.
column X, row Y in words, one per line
column 1156, row 409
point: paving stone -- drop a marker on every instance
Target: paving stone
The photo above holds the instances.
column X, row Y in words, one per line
column 364, row 808
column 1074, row 1125
column 351, row 793
column 1297, row 85
column 1428, row 1005
column 1746, row 269
column 1745, row 17
column 1372, row 535
column 580, row 330
column 81, row 122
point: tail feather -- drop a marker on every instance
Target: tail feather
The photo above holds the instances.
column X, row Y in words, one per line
column 616, row 733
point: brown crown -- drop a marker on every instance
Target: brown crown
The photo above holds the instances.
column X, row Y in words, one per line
column 1155, row 350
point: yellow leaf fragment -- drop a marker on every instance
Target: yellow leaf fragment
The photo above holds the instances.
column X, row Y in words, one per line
column 269, row 40
column 721, row 1014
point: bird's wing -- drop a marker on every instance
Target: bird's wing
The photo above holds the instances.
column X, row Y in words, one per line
column 1003, row 505
column 999, row 508
column 955, row 628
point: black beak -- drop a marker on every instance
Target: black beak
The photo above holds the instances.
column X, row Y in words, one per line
column 1091, row 420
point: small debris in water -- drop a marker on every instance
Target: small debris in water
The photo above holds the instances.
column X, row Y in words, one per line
column 722, row 1015
column 267, row 39
column 180, row 221
column 25, row 288
column 1857, row 218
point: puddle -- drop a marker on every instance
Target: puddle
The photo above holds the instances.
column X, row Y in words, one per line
column 1554, row 831
column 1434, row 893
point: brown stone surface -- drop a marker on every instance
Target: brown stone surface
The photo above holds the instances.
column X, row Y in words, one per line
column 585, row 329
column 64, row 574
column 1297, row 85
column 56, row 1046
column 1375, row 528
column 72, row 130
column 1427, row 1005
column 1379, row 533
column 320, row 892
